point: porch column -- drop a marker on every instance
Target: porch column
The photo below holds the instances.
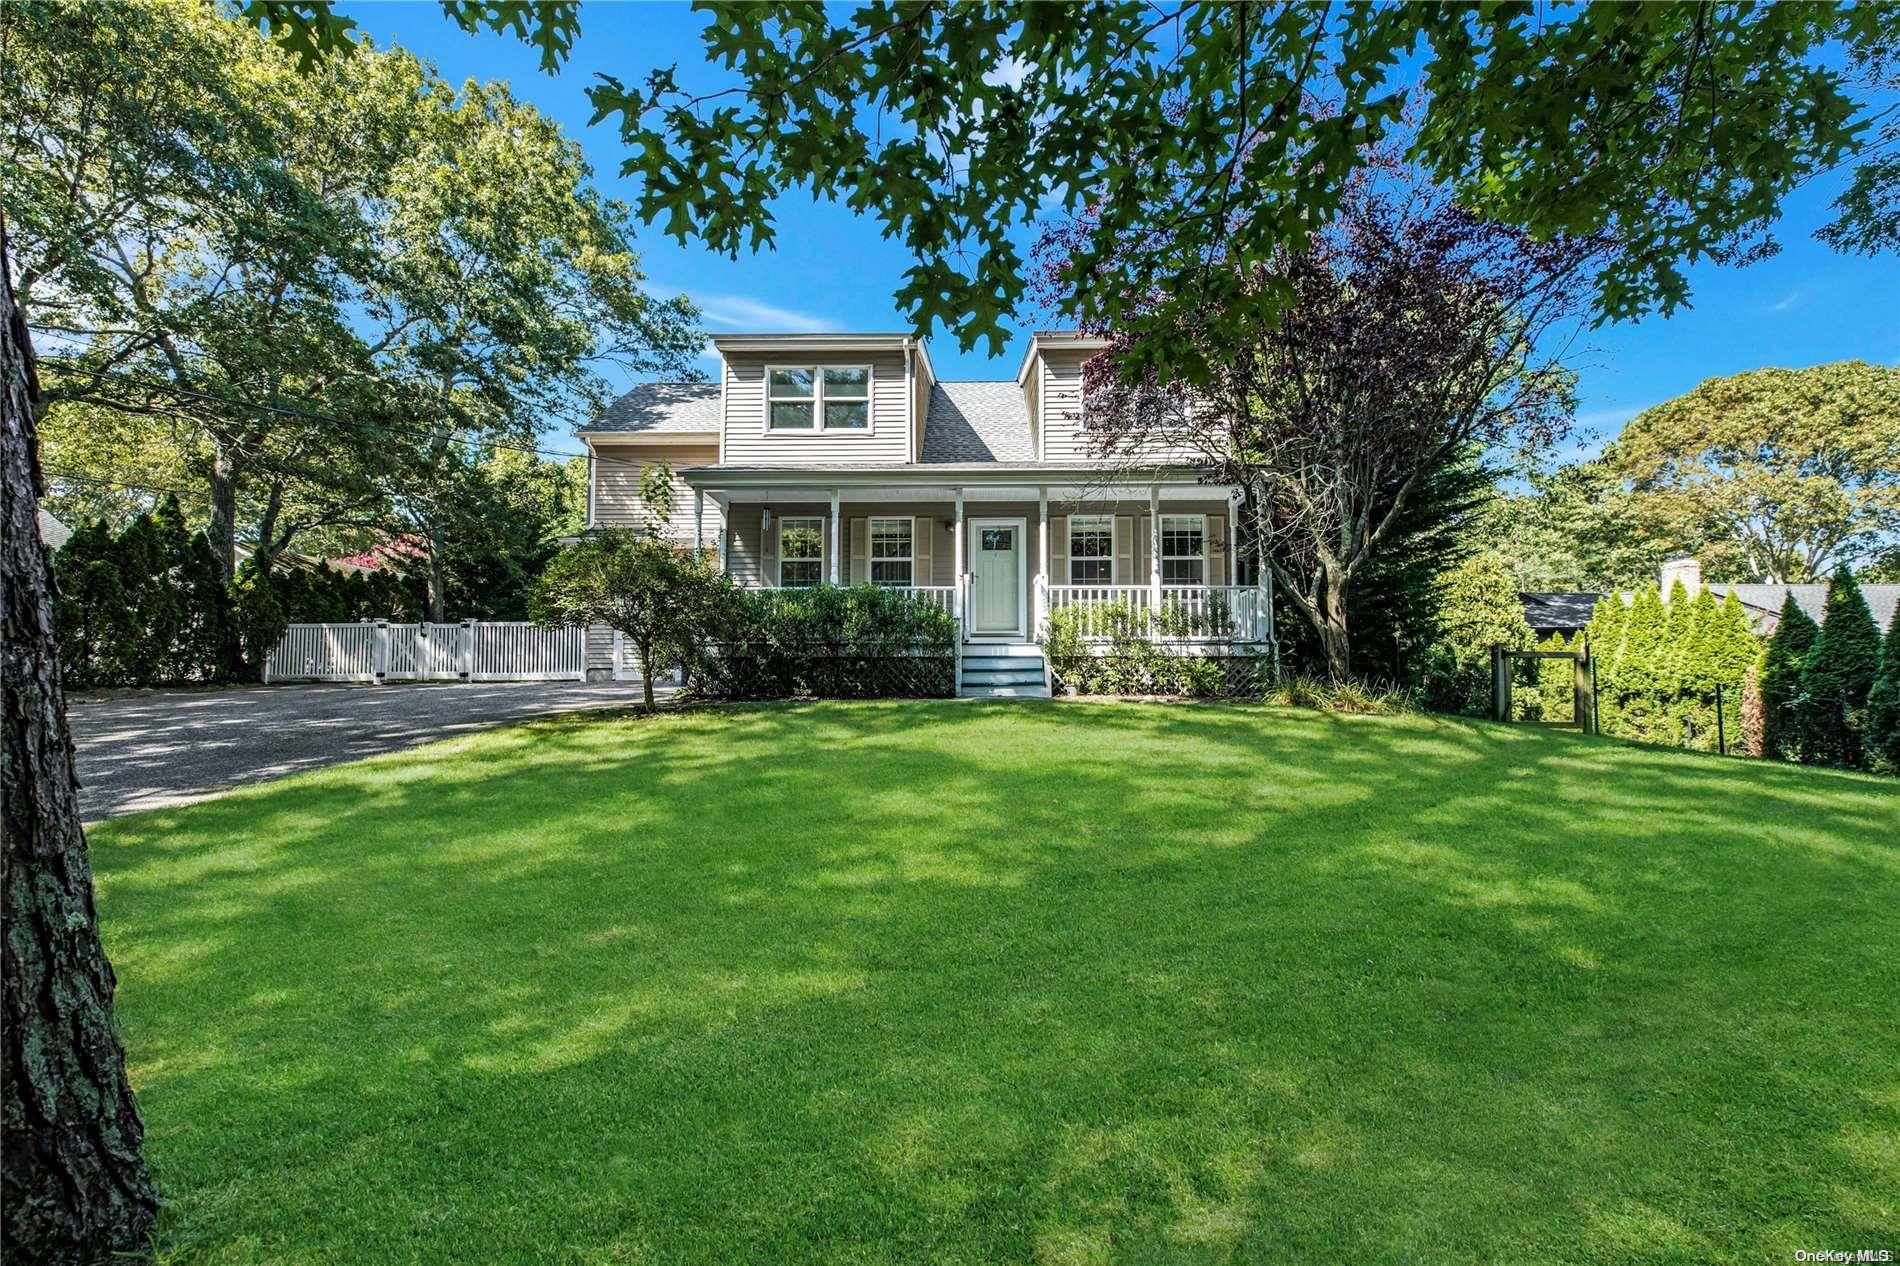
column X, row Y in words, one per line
column 1040, row 603
column 1154, row 548
column 962, row 618
column 834, row 536
column 699, row 521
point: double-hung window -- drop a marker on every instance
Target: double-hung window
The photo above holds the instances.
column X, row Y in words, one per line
column 1091, row 549
column 892, row 561
column 1183, row 549
column 813, row 398
column 801, row 552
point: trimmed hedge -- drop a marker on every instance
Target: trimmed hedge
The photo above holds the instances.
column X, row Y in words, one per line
column 830, row 642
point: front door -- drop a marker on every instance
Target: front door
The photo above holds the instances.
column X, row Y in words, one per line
column 996, row 577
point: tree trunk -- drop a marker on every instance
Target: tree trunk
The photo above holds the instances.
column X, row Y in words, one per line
column 75, row 1187
column 221, row 530
column 1335, row 635
column 438, row 579
column 645, row 653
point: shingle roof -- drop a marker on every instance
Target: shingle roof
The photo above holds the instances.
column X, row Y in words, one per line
column 1764, row 601
column 53, row 533
column 662, row 406
column 977, row 422
column 1546, row 612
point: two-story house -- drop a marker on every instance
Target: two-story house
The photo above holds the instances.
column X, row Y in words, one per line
column 843, row 459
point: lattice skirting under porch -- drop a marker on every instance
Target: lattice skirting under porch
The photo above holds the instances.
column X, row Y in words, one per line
column 784, row 675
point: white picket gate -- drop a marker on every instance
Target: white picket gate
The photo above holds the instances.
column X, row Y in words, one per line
column 474, row 650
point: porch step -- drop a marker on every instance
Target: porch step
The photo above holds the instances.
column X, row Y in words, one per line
column 1017, row 677
column 1003, row 670
column 1001, row 663
column 1006, row 692
column 1015, row 650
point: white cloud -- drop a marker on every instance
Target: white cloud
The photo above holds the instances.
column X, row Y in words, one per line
column 1790, row 301
column 1615, row 416
column 752, row 316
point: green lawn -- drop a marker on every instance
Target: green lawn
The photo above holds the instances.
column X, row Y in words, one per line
column 1054, row 983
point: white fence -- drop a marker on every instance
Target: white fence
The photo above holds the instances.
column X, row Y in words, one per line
column 469, row 651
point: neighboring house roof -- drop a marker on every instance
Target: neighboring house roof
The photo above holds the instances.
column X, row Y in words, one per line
column 661, row 407
column 1558, row 612
column 53, row 533
column 1764, row 602
column 1548, row 611
column 977, row 422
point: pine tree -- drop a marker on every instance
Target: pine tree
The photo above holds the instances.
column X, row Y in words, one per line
column 1836, row 676
column 1781, row 679
column 1883, row 706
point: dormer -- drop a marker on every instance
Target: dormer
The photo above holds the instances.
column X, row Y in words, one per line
column 820, row 399
column 1051, row 382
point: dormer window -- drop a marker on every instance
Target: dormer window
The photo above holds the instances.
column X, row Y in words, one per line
column 815, row 398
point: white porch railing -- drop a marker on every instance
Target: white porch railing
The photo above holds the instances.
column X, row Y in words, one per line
column 374, row 651
column 1198, row 613
column 943, row 596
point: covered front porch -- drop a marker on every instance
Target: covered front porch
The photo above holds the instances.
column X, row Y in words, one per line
column 1151, row 554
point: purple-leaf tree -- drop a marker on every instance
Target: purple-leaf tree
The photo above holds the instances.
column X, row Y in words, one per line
column 1415, row 334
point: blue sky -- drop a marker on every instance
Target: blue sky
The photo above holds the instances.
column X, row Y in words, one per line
column 832, row 270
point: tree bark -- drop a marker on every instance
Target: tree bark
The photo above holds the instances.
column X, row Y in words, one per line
column 75, row 1186
column 1335, row 634
column 646, row 671
column 438, row 579
column 221, row 529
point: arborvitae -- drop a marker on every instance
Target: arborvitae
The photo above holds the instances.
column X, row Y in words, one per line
column 1836, row 675
column 143, row 654
column 1753, row 740
column 90, row 609
column 1691, row 707
column 1604, row 635
column 1781, row 679
column 174, row 612
column 1643, row 679
column 1732, row 650
column 1883, row 706
column 209, row 649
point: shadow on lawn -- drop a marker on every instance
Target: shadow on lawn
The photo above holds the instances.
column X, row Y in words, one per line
column 1003, row 983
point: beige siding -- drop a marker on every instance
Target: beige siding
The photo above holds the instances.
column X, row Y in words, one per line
column 748, row 443
column 1058, row 379
column 618, row 470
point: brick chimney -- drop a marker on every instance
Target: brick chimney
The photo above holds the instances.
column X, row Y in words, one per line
column 1687, row 570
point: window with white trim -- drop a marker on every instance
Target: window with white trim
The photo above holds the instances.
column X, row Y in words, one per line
column 1091, row 549
column 892, row 562
column 1183, row 549
column 818, row 398
column 801, row 552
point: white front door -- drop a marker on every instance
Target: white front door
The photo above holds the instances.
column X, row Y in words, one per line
column 996, row 577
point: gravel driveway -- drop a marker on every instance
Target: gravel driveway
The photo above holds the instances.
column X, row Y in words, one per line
column 174, row 746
